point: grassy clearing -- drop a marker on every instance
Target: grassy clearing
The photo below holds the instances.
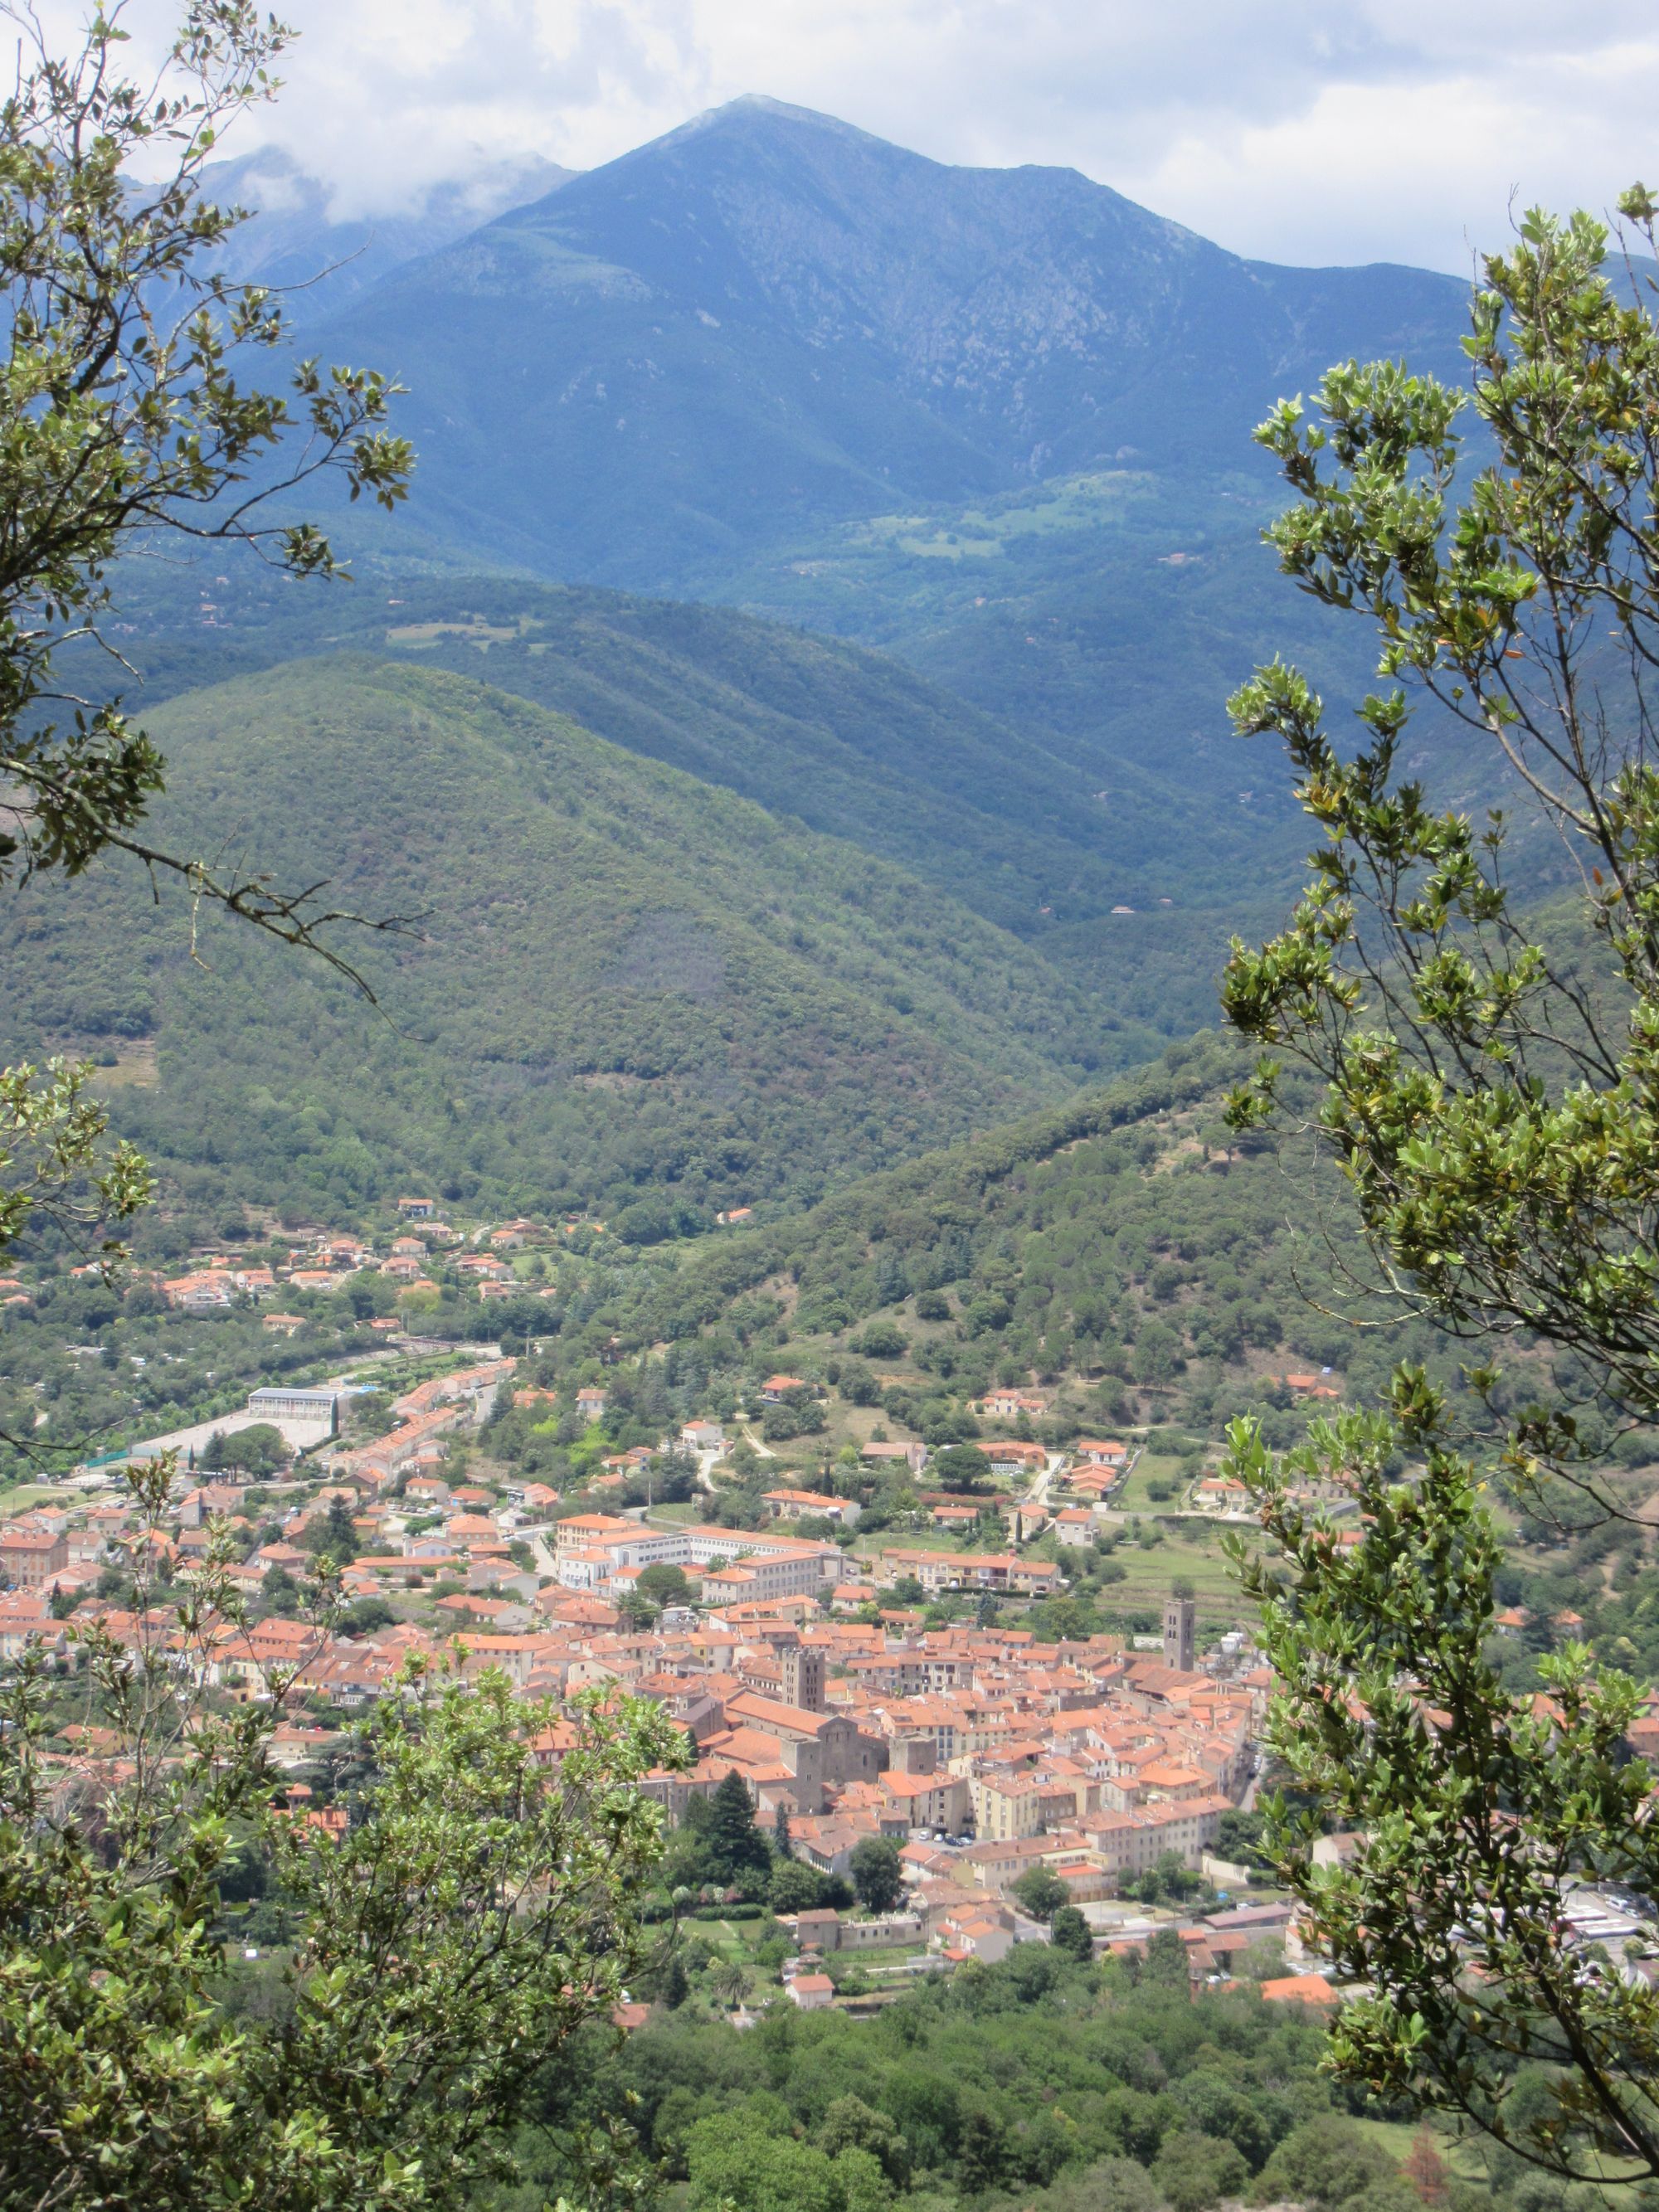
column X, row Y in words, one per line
column 20, row 1499
column 1148, row 1574
column 1134, row 1495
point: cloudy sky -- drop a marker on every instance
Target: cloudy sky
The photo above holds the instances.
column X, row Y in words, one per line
column 1294, row 129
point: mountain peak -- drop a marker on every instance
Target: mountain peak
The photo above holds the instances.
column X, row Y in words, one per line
column 770, row 319
column 756, row 119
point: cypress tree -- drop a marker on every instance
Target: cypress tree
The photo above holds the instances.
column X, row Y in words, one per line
column 733, row 1844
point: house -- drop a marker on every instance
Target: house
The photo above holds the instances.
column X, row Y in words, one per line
column 1075, row 1528
column 1007, row 1405
column 30, row 1559
column 1308, row 1386
column 283, row 1324
column 1221, row 1493
column 911, row 1455
column 1094, row 1451
column 934, row 1802
column 591, row 1402
column 971, row 1571
column 956, row 1517
column 812, row 1992
column 204, row 1292
column 703, row 1436
column 778, row 1388
column 1007, row 1807
column 1013, row 1457
column 974, row 1934
column 418, row 1209
column 811, row 1504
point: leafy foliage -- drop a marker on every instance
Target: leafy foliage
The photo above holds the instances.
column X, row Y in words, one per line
column 121, row 416
column 1490, row 1094
column 479, row 1909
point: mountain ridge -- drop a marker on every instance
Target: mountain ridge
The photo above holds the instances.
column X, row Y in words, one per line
column 766, row 320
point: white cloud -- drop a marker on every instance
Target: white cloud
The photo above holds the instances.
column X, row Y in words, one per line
column 1287, row 129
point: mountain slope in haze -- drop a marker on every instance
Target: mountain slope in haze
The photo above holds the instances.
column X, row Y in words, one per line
column 768, row 318
column 294, row 237
column 626, row 982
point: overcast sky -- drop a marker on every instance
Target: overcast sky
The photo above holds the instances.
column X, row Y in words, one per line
column 1290, row 130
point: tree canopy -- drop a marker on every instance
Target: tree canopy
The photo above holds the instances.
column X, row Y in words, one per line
column 1491, row 1067
column 126, row 416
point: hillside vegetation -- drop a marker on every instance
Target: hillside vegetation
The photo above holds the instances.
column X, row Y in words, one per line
column 1121, row 1249
column 854, row 744
column 623, row 979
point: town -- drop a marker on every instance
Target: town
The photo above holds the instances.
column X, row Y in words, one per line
column 793, row 1657
column 905, row 1687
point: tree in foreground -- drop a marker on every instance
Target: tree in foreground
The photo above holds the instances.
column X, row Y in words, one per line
column 126, row 419
column 480, row 1906
column 1491, row 1088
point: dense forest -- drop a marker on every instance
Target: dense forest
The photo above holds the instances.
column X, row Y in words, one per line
column 614, row 978
column 1039, row 2083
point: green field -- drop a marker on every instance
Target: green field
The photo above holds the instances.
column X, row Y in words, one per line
column 22, row 1495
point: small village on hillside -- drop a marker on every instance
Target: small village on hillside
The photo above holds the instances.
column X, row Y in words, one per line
column 895, row 1686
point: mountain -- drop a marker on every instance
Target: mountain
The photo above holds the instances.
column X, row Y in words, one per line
column 769, row 319
column 294, row 237
column 626, row 984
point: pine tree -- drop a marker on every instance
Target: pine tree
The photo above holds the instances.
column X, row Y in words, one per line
column 1166, row 1960
column 980, row 2156
column 1069, row 1932
column 733, row 1844
column 675, row 1985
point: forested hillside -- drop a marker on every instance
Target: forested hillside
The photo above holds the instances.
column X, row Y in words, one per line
column 852, row 743
column 621, row 978
column 1122, row 1246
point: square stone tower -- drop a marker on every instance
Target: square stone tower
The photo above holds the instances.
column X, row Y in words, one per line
column 803, row 1676
column 1180, row 1622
